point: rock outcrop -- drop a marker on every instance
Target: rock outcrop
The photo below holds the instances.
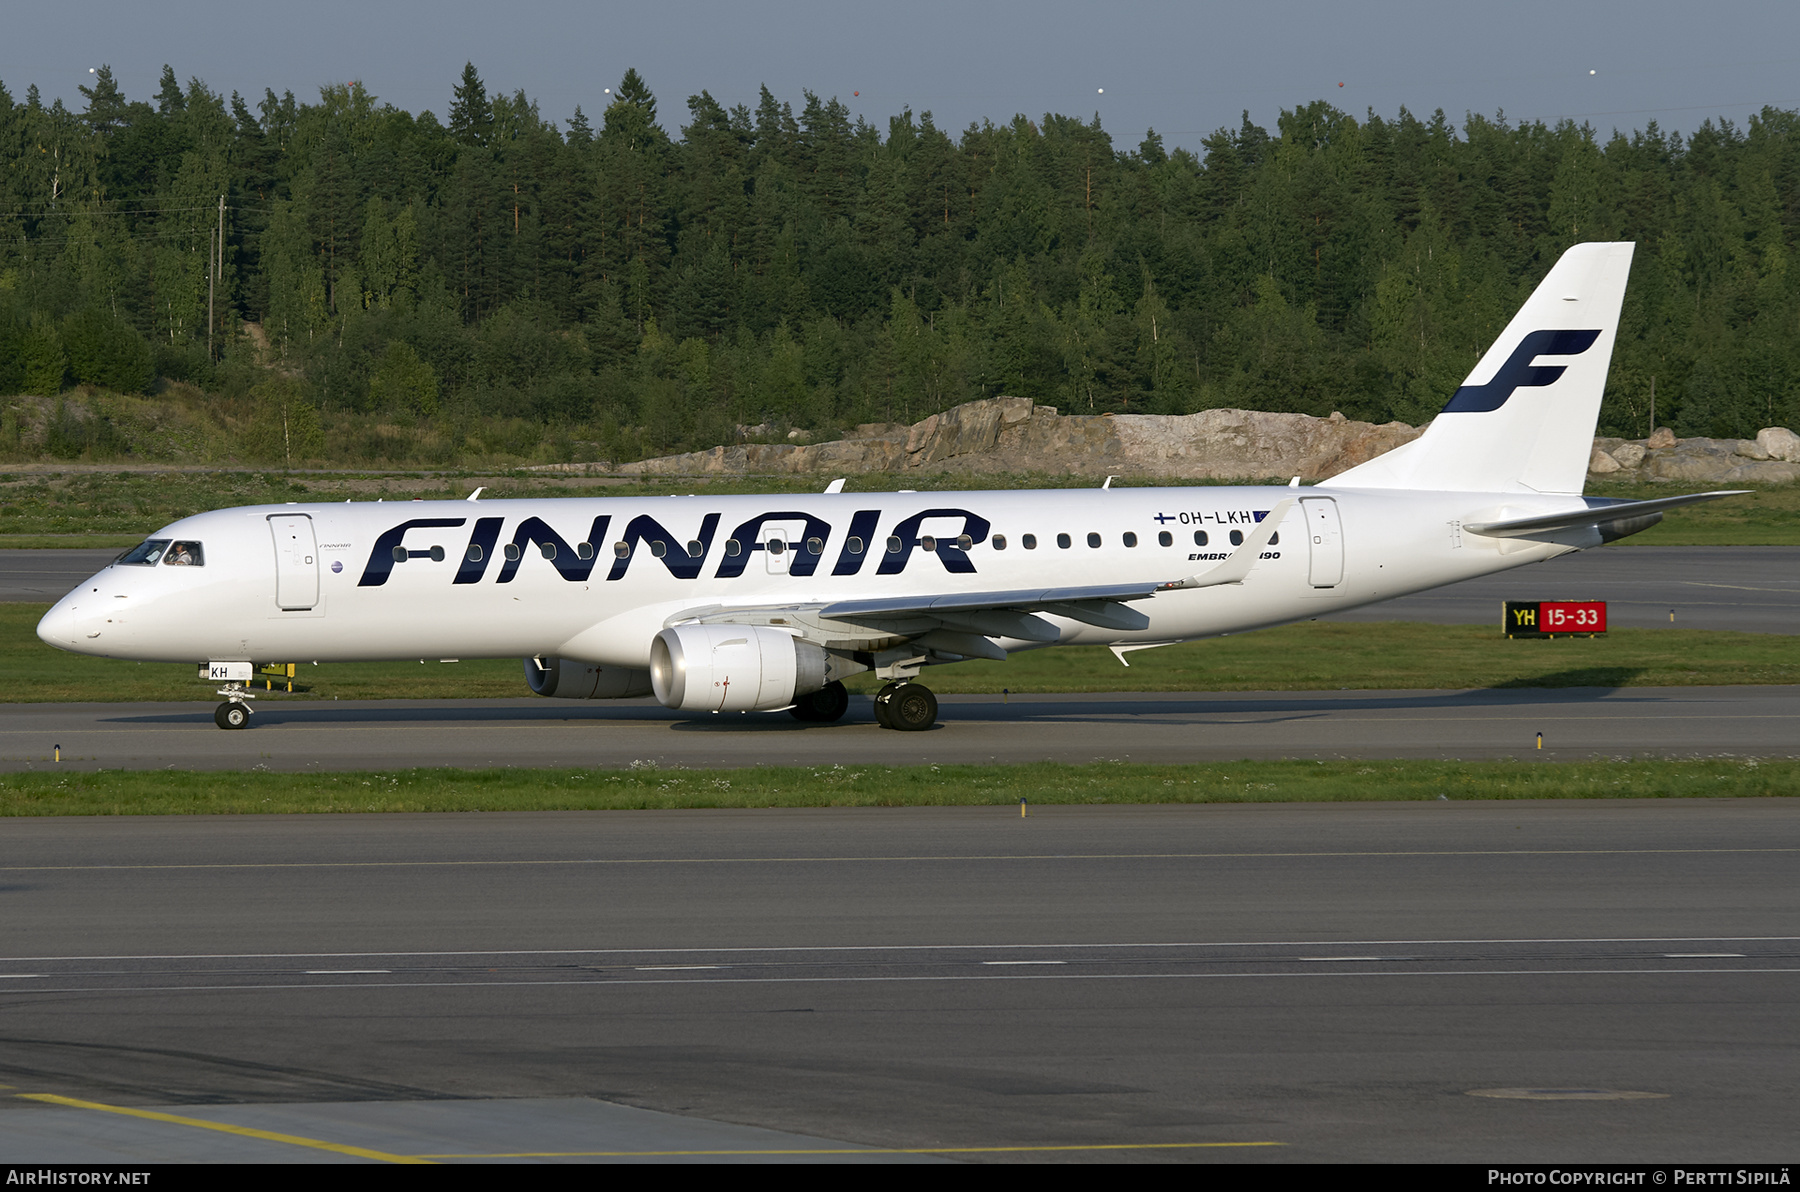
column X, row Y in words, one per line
column 1011, row 435
column 1772, row 457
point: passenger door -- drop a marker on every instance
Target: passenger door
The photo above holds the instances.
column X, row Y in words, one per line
column 1325, row 541
column 296, row 561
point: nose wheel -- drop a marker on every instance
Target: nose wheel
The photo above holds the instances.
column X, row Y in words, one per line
column 909, row 707
column 232, row 715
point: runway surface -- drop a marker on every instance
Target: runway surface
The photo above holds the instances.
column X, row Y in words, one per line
column 1753, row 589
column 1126, row 726
column 1603, row 981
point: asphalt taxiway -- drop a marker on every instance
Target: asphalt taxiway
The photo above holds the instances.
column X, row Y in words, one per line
column 1611, row 981
column 1168, row 727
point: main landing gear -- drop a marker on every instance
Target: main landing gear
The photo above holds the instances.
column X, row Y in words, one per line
column 906, row 705
column 823, row 706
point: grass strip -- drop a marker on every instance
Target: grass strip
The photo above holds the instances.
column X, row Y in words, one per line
column 163, row 792
column 1310, row 656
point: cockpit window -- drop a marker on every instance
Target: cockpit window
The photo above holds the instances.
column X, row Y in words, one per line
column 146, row 554
column 185, row 554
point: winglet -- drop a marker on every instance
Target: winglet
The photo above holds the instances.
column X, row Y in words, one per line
column 1234, row 569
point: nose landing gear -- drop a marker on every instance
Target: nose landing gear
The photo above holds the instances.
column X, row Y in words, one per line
column 907, row 706
column 235, row 711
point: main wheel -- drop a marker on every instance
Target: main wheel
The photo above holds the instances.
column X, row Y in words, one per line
column 882, row 705
column 231, row 715
column 912, row 708
column 823, row 706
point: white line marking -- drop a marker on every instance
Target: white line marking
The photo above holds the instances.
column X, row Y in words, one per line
column 1024, row 962
column 812, row 948
column 1703, row 955
column 673, row 968
column 1329, row 959
column 342, row 972
column 1341, row 974
column 20, row 976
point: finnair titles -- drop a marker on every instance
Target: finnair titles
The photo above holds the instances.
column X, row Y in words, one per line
column 737, row 604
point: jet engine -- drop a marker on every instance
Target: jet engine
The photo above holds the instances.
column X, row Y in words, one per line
column 733, row 668
column 565, row 678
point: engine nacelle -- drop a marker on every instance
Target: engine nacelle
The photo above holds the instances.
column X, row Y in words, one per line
column 565, row 678
column 733, row 668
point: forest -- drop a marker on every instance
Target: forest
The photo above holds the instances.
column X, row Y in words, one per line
column 398, row 285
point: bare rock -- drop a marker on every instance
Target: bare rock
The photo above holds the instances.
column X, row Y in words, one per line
column 1601, row 464
column 1660, row 438
column 1750, row 449
column 1630, row 455
column 1780, row 443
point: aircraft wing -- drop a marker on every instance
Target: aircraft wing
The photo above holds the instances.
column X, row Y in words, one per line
column 964, row 623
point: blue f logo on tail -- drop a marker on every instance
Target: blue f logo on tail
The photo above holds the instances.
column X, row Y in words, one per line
column 1519, row 371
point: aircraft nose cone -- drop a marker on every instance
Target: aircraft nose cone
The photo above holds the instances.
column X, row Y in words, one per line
column 59, row 626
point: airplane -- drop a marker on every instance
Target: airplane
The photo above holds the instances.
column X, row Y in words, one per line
column 760, row 603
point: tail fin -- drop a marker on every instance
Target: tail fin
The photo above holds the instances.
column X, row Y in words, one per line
column 1517, row 425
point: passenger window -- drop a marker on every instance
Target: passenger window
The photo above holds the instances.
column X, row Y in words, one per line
column 854, row 546
column 776, row 546
column 1029, row 542
column 733, row 547
column 621, row 550
column 964, row 542
column 1063, row 541
column 146, row 554
column 1130, row 538
column 437, row 553
column 1199, row 537
column 547, row 549
column 815, row 546
column 1165, row 539
column 1094, row 540
column 893, row 544
column 401, row 554
column 511, row 552
column 659, row 548
column 474, row 555
column 928, row 544
column 1237, row 538
column 185, row 554
column 999, row 541
column 584, row 550
column 696, row 548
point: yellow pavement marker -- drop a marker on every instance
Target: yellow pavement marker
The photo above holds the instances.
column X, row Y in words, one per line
column 242, row 1131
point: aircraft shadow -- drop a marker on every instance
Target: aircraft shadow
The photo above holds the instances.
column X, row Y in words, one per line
column 1022, row 709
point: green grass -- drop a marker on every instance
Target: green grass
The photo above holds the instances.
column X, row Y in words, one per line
column 1311, row 656
column 114, row 508
column 161, row 792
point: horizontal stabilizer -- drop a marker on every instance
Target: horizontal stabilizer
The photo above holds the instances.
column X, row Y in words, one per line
column 1599, row 512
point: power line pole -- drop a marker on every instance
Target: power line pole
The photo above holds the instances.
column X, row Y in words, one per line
column 215, row 274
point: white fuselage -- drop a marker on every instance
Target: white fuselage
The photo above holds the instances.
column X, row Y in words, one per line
column 319, row 582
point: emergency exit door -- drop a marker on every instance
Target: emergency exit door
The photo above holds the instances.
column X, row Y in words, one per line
column 1325, row 541
column 296, row 561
